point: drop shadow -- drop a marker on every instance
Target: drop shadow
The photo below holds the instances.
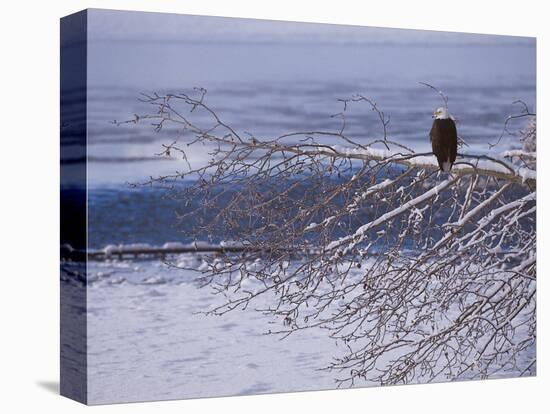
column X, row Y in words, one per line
column 51, row 386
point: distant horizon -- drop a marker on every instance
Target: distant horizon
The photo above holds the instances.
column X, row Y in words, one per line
column 151, row 26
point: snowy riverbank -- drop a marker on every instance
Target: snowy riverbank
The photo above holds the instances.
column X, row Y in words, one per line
column 147, row 339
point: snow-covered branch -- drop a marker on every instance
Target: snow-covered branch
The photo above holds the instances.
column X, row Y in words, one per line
column 422, row 275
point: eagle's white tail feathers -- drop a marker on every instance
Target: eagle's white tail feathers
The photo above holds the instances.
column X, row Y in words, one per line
column 447, row 166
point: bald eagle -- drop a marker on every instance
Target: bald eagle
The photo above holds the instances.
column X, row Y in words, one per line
column 444, row 139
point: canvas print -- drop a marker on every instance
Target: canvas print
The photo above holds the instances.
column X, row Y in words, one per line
column 255, row 206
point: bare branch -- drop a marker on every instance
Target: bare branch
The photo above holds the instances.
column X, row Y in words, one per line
column 421, row 275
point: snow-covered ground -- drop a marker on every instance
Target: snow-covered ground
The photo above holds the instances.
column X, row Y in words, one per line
column 147, row 342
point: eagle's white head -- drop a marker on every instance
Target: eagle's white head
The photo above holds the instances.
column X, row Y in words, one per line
column 441, row 113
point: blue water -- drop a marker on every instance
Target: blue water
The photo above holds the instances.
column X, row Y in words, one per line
column 274, row 78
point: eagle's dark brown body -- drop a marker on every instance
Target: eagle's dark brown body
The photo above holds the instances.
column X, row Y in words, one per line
column 444, row 140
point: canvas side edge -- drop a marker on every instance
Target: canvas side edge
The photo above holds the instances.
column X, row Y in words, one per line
column 73, row 206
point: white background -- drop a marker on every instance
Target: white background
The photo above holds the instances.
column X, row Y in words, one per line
column 29, row 206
